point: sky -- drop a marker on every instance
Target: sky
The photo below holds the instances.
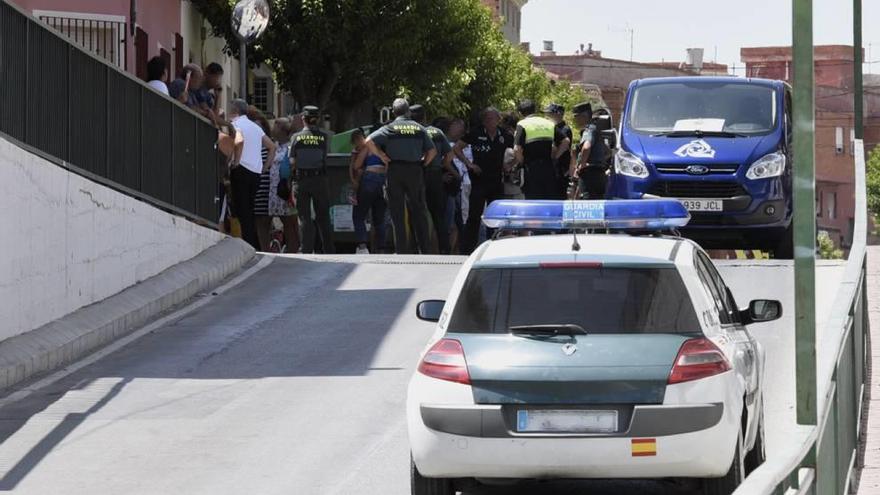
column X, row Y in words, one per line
column 664, row 29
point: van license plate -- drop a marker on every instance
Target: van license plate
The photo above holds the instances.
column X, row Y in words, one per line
column 566, row 421
column 703, row 204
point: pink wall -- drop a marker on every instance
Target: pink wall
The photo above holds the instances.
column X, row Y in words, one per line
column 159, row 18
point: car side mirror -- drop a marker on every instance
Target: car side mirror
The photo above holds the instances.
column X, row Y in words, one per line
column 762, row 311
column 430, row 310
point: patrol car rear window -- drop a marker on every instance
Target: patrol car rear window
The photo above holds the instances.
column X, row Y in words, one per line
column 601, row 300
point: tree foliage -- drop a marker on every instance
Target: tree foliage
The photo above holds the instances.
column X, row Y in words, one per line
column 873, row 181
column 342, row 54
column 827, row 249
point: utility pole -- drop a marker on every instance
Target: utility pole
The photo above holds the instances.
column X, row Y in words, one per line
column 858, row 62
column 804, row 228
column 242, row 69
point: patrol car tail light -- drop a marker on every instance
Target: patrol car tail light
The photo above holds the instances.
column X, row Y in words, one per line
column 697, row 359
column 638, row 214
column 445, row 361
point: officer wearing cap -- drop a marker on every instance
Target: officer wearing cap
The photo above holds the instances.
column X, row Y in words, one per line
column 556, row 113
column 534, row 146
column 308, row 159
column 406, row 149
column 435, row 187
column 589, row 158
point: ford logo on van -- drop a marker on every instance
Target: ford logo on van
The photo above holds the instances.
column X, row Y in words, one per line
column 697, row 170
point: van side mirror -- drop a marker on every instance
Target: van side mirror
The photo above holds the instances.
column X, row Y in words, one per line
column 430, row 310
column 761, row 311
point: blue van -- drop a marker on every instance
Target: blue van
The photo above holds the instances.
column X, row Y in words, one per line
column 721, row 145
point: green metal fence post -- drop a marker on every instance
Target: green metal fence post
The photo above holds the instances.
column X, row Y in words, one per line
column 858, row 59
column 804, row 211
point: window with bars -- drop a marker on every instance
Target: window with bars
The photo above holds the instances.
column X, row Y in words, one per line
column 262, row 94
column 105, row 38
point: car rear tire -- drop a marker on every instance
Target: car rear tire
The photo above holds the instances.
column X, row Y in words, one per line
column 728, row 483
column 758, row 454
column 420, row 485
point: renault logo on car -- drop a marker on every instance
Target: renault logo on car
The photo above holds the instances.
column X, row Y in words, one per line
column 697, row 170
column 569, row 349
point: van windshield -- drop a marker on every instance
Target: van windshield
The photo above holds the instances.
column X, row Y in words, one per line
column 707, row 107
column 600, row 300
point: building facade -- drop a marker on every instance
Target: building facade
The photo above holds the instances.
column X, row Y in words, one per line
column 509, row 15
column 587, row 67
column 835, row 120
column 127, row 33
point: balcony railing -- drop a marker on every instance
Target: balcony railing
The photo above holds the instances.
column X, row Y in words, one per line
column 97, row 120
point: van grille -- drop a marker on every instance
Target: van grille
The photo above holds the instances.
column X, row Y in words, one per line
column 697, row 189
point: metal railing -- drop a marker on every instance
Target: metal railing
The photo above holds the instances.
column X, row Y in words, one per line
column 106, row 39
column 823, row 457
column 101, row 122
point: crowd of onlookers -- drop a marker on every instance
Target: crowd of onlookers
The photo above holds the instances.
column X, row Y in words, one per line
column 432, row 181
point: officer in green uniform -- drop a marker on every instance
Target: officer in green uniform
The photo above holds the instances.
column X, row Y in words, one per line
column 435, row 187
column 534, row 146
column 406, row 149
column 308, row 159
column 589, row 160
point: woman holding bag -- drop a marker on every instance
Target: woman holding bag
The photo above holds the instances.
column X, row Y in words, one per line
column 280, row 199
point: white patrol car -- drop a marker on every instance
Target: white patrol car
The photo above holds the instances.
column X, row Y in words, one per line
column 587, row 356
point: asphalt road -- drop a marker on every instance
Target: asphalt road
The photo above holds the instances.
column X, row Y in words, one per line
column 291, row 383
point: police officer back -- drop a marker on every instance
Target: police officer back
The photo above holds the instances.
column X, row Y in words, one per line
column 435, row 187
column 589, row 160
column 556, row 113
column 308, row 159
column 534, row 142
column 406, row 149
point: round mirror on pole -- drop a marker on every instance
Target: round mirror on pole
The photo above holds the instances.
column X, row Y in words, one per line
column 250, row 19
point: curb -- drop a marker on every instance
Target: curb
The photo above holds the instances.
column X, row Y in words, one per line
column 76, row 335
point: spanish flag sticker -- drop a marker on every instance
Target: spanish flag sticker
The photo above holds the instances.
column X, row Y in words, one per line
column 644, row 447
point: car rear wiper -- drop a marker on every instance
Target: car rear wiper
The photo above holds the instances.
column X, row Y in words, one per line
column 699, row 133
column 562, row 329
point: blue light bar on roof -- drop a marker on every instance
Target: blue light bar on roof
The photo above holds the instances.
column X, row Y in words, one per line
column 639, row 214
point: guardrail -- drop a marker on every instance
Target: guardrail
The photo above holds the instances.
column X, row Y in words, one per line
column 825, row 455
column 60, row 99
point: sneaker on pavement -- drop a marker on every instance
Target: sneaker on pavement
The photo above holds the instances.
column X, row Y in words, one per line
column 362, row 249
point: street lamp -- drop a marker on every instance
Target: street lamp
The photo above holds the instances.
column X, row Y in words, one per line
column 249, row 21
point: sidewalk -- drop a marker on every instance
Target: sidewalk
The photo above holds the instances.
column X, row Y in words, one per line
column 870, row 477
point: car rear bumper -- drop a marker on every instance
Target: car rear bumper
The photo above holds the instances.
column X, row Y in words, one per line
column 699, row 454
column 495, row 421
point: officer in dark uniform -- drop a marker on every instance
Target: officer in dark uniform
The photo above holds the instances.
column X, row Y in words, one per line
column 308, row 159
column 589, row 161
column 435, row 187
column 556, row 113
column 534, row 145
column 405, row 147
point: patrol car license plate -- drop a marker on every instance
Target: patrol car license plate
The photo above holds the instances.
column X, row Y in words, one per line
column 703, row 204
column 566, row 421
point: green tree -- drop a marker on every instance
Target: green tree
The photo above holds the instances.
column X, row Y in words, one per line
column 345, row 52
column 873, row 180
column 827, row 249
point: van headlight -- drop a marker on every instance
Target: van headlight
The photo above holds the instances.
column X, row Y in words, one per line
column 626, row 163
column 772, row 165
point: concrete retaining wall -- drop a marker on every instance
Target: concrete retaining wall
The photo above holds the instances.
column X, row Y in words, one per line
column 67, row 242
